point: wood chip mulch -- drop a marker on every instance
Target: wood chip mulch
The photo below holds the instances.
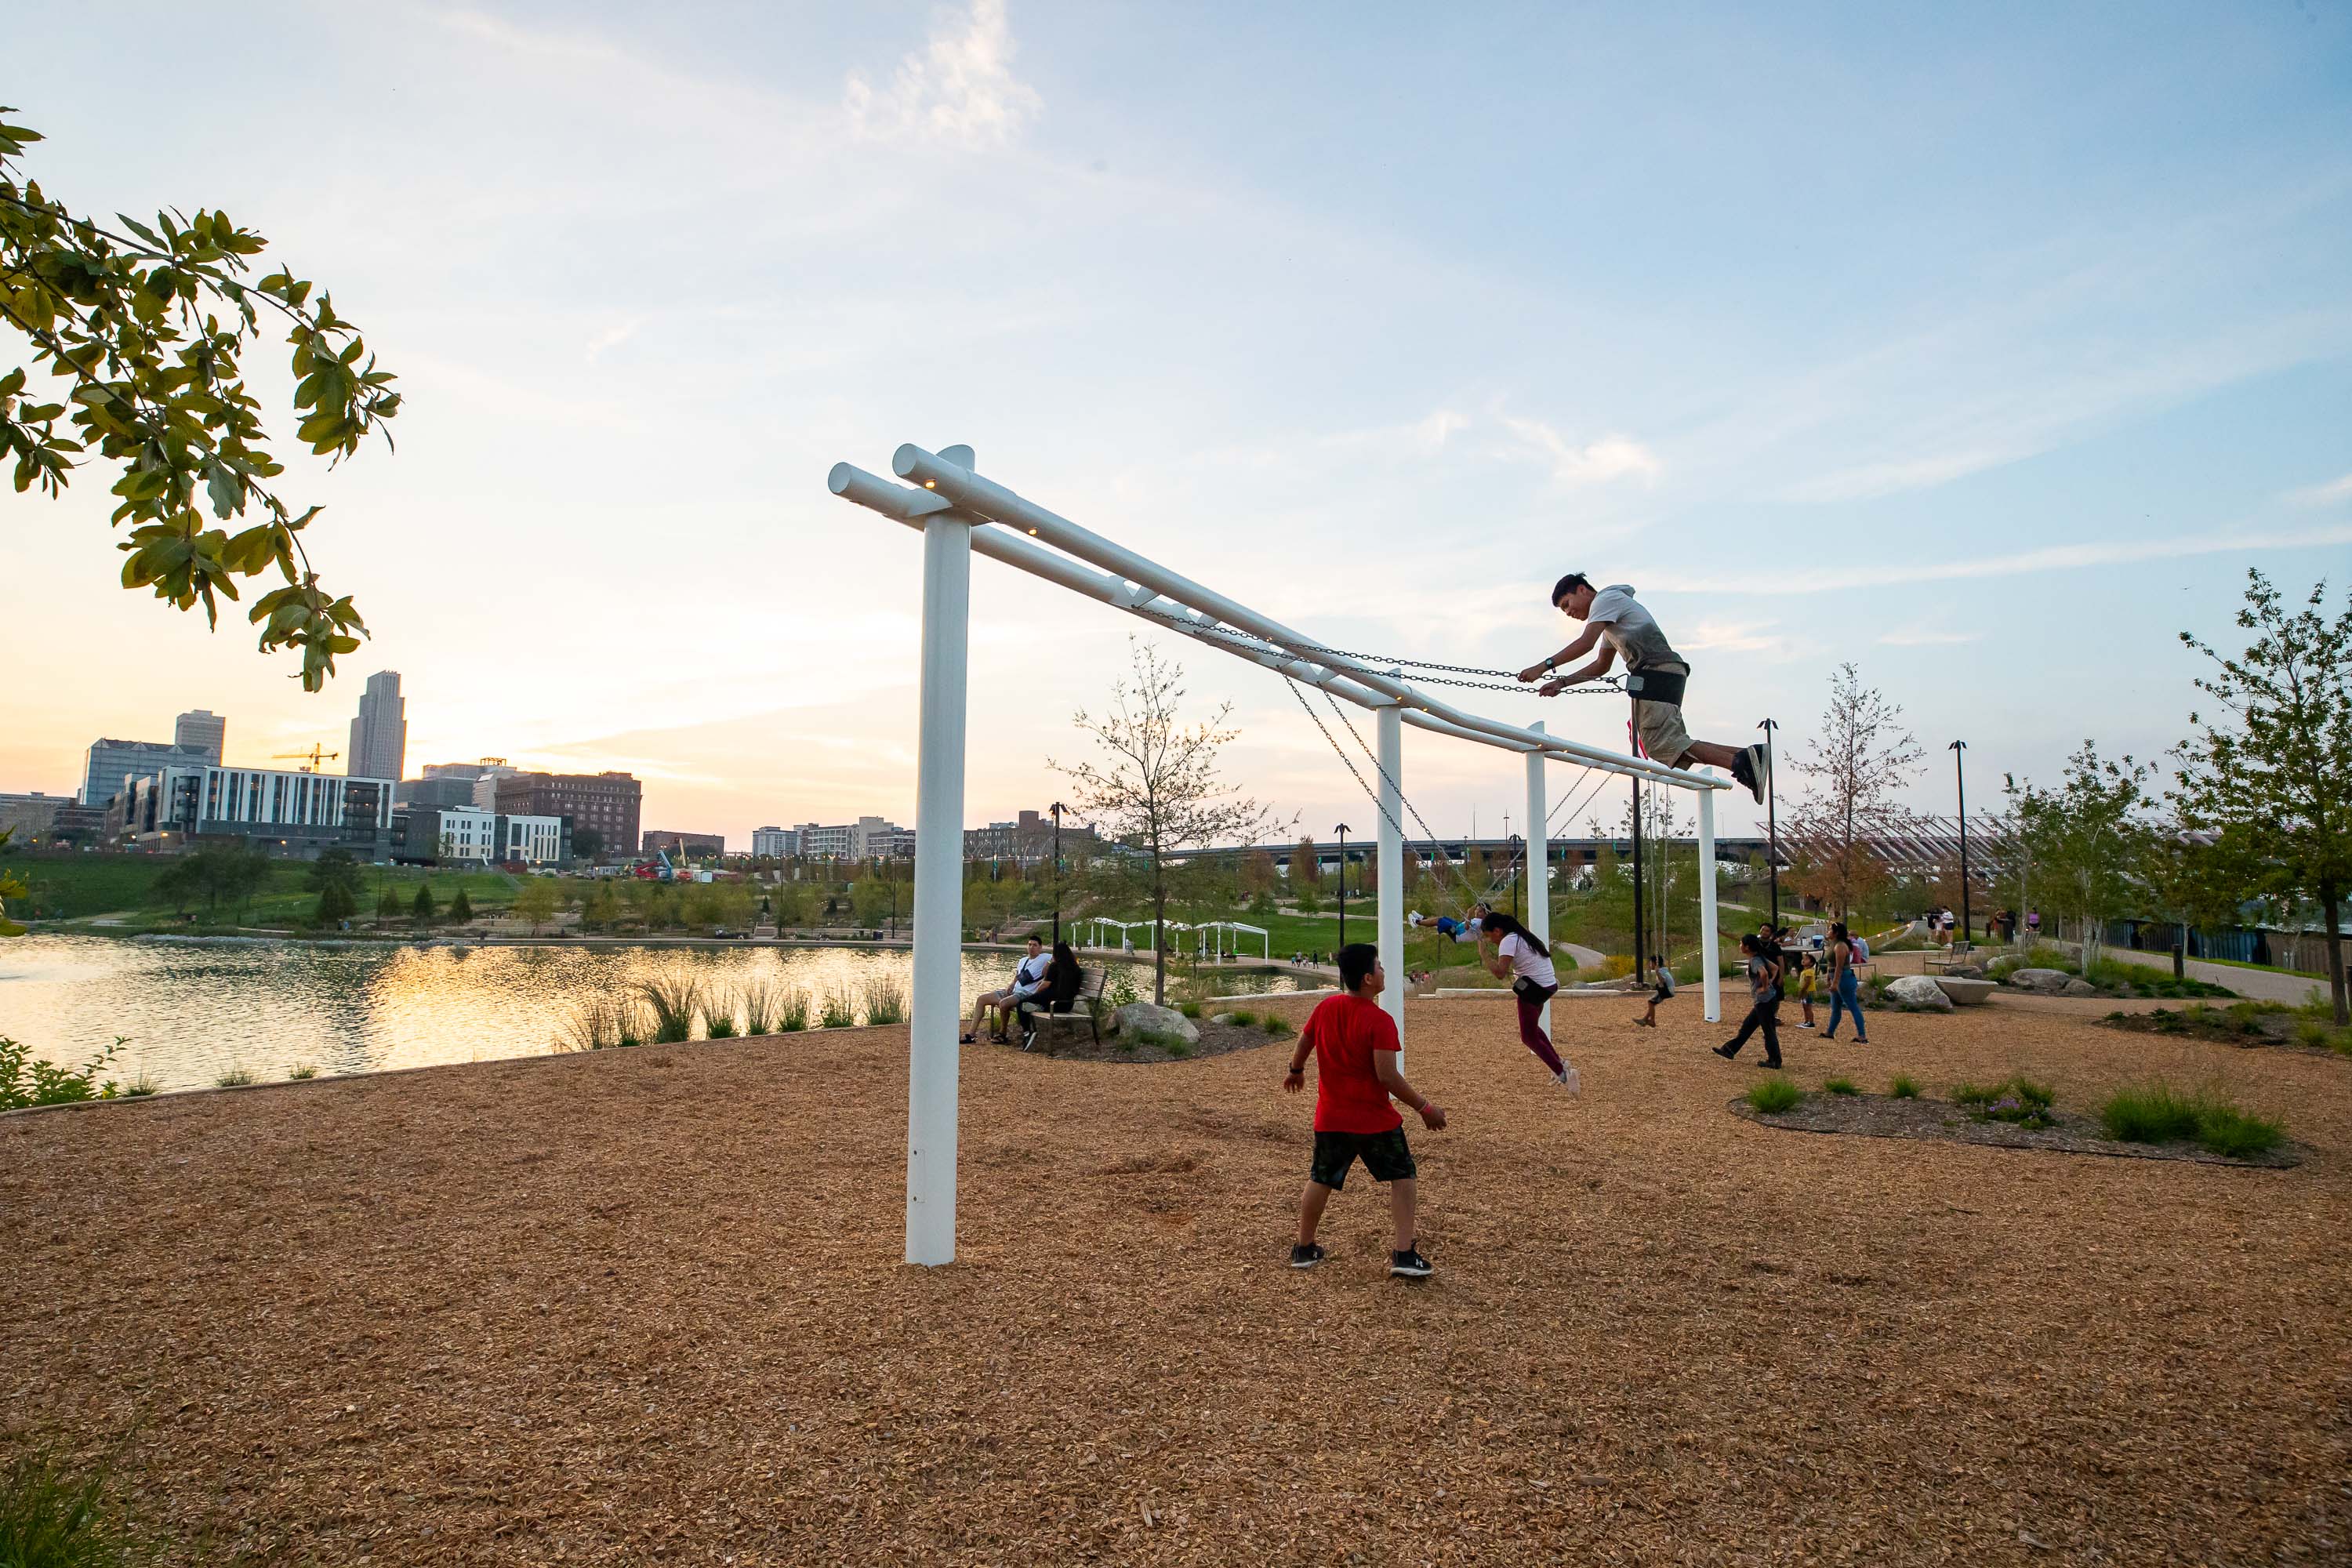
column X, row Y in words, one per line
column 647, row 1306
column 1074, row 1042
column 1883, row 1116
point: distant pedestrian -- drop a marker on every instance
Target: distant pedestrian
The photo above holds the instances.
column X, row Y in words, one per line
column 1764, row 1009
column 1809, row 975
column 2033, row 925
column 1355, row 1044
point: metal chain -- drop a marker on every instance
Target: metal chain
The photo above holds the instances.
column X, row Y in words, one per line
column 1377, row 803
column 1369, row 664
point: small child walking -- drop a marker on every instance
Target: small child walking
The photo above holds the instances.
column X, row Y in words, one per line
column 1355, row 1044
column 1808, row 979
column 1661, row 981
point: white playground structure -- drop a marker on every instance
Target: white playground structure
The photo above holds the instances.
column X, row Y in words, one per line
column 1210, row 938
column 953, row 508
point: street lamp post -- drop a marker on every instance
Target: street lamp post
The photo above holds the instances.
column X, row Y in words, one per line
column 1959, row 777
column 1343, row 884
column 1057, row 873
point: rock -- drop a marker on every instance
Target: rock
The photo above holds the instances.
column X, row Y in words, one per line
column 1969, row 972
column 2074, row 987
column 1965, row 991
column 1143, row 1018
column 1920, row 991
column 2050, row 980
column 1223, row 1018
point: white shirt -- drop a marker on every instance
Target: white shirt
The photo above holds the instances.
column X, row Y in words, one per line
column 1030, row 975
column 1630, row 628
column 1527, row 963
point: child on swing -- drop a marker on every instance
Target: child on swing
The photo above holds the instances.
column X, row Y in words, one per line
column 1521, row 957
column 1663, row 979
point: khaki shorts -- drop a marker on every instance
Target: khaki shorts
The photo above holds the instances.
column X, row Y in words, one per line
column 1660, row 726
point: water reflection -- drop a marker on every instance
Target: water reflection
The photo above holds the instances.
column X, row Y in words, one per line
column 193, row 1011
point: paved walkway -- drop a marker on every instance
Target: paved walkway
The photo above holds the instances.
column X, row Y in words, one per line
column 2262, row 984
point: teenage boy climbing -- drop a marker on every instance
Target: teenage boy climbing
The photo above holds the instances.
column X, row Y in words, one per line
column 1356, row 1045
column 1654, row 674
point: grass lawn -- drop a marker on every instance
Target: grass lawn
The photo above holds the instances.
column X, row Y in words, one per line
column 75, row 887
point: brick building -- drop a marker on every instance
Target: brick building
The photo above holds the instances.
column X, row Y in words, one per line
column 605, row 802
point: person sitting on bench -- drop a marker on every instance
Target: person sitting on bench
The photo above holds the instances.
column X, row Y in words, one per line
column 1027, row 981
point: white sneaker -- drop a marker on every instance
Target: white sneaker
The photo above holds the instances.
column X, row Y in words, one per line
column 1569, row 1079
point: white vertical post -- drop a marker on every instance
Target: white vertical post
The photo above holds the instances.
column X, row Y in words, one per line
column 1538, row 856
column 1709, row 963
column 1390, row 925
column 932, row 1064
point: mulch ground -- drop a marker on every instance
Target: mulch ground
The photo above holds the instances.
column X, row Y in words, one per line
column 1075, row 1042
column 2069, row 1132
column 645, row 1306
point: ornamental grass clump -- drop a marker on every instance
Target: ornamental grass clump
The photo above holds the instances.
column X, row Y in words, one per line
column 885, row 999
column 1840, row 1086
column 1775, row 1095
column 791, row 1010
column 838, row 1011
column 1904, row 1087
column 719, row 1011
column 675, row 1001
column 51, row 1516
column 2156, row 1112
column 760, row 1001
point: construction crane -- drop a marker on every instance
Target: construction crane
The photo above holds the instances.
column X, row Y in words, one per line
column 315, row 755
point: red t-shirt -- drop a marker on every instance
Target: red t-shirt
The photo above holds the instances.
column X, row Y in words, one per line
column 1348, row 1097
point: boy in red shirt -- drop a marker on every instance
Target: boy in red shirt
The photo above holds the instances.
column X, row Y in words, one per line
column 1355, row 1044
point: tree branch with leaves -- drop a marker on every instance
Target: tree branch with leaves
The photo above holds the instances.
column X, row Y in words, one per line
column 141, row 328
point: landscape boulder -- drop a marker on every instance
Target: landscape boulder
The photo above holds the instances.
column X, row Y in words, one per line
column 1144, row 1018
column 1221, row 1018
column 2074, row 987
column 1964, row 991
column 1920, row 991
column 2049, row 982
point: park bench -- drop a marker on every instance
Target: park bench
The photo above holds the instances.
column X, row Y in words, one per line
column 1085, row 1007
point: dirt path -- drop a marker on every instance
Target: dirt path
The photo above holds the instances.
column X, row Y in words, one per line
column 647, row 1305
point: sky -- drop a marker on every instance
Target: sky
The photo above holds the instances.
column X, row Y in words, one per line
column 1984, row 348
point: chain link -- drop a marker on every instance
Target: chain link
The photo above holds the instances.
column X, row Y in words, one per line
column 1371, row 664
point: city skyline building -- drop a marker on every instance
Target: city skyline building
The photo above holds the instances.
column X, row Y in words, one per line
column 664, row 840
column 278, row 810
column 112, row 763
column 379, row 742
column 202, row 728
column 774, row 842
column 607, row 803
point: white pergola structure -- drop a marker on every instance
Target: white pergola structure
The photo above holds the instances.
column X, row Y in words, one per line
column 955, row 507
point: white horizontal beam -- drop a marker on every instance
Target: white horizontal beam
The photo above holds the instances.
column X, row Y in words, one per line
column 971, row 493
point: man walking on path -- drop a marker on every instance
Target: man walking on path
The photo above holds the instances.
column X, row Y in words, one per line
column 1654, row 674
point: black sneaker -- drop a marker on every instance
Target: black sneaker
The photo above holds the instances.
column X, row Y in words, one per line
column 1306, row 1257
column 1760, row 772
column 1725, row 1050
column 1409, row 1265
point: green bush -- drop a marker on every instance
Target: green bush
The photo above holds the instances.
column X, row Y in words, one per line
column 1904, row 1087
column 885, row 999
column 675, row 1001
column 24, row 1081
column 1246, row 1019
column 1775, row 1095
column 1189, row 1009
column 793, row 1011
column 1278, row 1027
column 2156, row 1112
column 1840, row 1086
column 838, row 1011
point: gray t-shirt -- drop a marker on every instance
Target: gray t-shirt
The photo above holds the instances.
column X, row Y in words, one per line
column 1630, row 629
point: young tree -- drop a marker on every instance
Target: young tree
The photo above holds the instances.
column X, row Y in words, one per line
column 1157, row 787
column 143, row 331
column 1258, row 873
column 536, row 901
column 2277, row 771
column 13, row 886
column 336, row 904
column 461, row 908
column 1860, row 755
column 423, row 911
column 387, row 904
column 2190, row 882
column 335, row 868
column 2087, row 837
column 1305, row 867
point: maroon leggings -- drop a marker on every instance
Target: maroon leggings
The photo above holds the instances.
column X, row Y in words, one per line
column 1531, row 1034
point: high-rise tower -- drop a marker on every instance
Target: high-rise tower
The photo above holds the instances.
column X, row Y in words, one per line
column 202, row 729
column 380, row 734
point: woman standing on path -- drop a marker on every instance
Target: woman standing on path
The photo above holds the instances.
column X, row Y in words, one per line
column 1845, row 992
column 1521, row 958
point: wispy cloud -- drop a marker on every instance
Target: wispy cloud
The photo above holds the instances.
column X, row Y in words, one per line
column 2328, row 494
column 959, row 88
column 612, row 337
column 2056, row 558
column 1598, row 461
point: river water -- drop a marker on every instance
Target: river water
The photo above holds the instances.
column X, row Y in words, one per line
column 193, row 1011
